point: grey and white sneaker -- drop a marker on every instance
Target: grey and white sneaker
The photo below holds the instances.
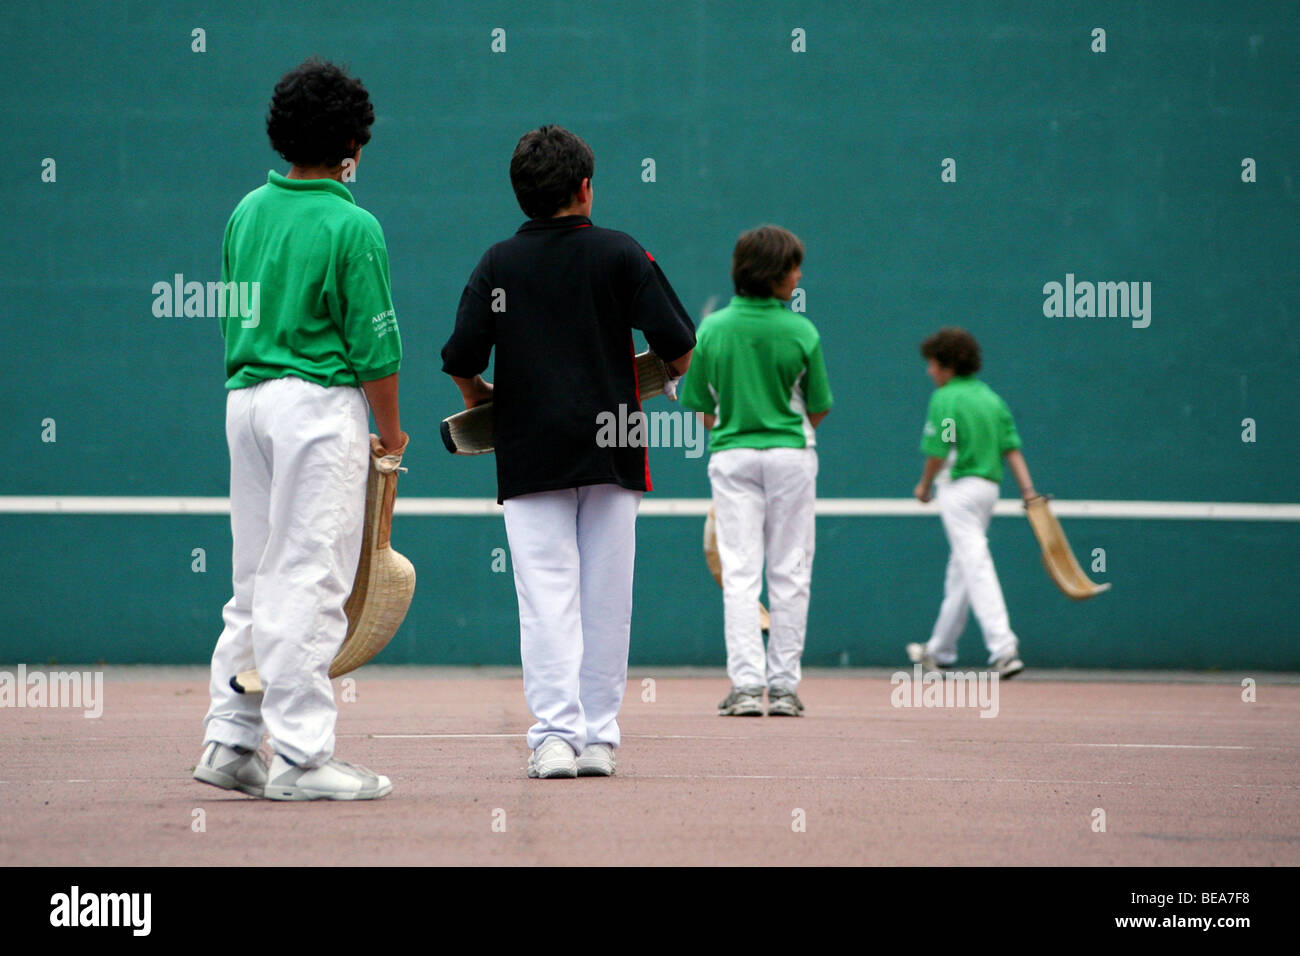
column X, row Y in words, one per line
column 1008, row 666
column 596, row 760
column 335, row 780
column 553, row 758
column 783, row 703
column 232, row 768
column 742, row 702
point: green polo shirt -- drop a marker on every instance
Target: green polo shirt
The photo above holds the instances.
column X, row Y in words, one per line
column 324, row 310
column 969, row 415
column 759, row 368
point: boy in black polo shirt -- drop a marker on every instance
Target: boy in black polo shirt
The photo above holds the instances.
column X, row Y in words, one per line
column 559, row 301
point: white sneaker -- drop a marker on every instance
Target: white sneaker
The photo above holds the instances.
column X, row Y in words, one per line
column 918, row 654
column 1008, row 666
column 232, row 769
column 336, row 780
column 554, row 758
column 596, row 761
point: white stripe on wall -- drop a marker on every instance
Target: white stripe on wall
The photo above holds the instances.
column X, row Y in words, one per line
column 676, row 507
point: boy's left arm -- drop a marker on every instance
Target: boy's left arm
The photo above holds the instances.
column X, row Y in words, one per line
column 657, row 312
column 1009, row 442
column 1016, row 462
column 381, row 393
column 474, row 390
column 225, row 271
column 817, row 387
column 371, row 336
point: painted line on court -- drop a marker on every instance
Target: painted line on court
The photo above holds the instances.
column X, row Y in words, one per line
column 443, row 736
column 871, row 740
column 878, row 740
column 1170, row 746
column 810, row 777
column 874, row 740
column 673, row 507
column 1163, row 784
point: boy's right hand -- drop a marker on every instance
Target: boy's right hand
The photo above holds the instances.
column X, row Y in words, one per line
column 474, row 390
column 922, row 493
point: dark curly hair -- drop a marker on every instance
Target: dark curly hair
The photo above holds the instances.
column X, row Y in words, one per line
column 762, row 258
column 548, row 166
column 318, row 112
column 955, row 349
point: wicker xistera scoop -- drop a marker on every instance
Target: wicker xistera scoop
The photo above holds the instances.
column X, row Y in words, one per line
column 1058, row 559
column 714, row 560
column 385, row 581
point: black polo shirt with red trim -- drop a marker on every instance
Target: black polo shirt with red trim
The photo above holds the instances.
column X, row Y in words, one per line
column 558, row 301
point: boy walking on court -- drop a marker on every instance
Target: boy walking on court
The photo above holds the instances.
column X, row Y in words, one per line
column 558, row 301
column 321, row 341
column 968, row 432
column 759, row 380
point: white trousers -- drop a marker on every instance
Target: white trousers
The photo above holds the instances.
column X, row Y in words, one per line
column 763, row 503
column 573, row 552
column 298, row 460
column 971, row 582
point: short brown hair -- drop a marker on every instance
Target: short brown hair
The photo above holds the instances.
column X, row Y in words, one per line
column 762, row 258
column 548, row 166
column 953, row 348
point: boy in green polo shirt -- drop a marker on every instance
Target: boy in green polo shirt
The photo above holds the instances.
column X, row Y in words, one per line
column 759, row 380
column 968, row 431
column 310, row 336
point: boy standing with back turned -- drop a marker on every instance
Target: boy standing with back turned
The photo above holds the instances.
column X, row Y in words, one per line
column 558, row 301
column 300, row 373
column 759, row 376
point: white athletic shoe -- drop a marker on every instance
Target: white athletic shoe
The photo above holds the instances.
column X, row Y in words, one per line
column 554, row 758
column 335, row 780
column 596, row 761
column 232, row 768
column 917, row 654
column 1008, row 666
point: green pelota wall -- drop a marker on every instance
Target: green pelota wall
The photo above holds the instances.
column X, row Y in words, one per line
column 1125, row 165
